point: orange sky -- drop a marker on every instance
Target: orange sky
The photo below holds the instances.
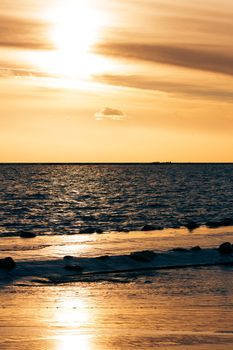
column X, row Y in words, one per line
column 116, row 80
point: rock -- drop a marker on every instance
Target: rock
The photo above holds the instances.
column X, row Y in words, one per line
column 151, row 228
column 103, row 257
column 144, row 256
column 197, row 248
column 76, row 268
column 175, row 226
column 212, row 224
column 68, row 258
column 87, row 230
column 225, row 248
column 99, row 231
column 221, row 223
column 226, row 222
column 191, row 225
column 27, row 234
column 7, row 263
column 179, row 249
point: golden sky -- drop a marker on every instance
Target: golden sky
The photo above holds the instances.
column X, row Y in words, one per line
column 116, row 80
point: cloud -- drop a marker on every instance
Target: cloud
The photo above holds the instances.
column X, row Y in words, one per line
column 24, row 33
column 111, row 114
column 194, row 57
column 170, row 87
column 7, row 71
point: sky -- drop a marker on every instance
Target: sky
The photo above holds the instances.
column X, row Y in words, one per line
column 116, row 81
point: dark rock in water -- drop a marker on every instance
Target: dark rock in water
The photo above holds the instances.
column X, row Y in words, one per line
column 144, row 256
column 99, row 230
column 7, row 263
column 221, row 223
column 76, row 268
column 68, row 258
column 212, row 224
column 103, row 257
column 151, row 228
column 88, row 230
column 179, row 249
column 225, row 248
column 175, row 226
column 197, row 248
column 27, row 234
column 226, row 222
column 191, row 225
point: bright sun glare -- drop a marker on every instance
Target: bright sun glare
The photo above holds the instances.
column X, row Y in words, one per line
column 76, row 28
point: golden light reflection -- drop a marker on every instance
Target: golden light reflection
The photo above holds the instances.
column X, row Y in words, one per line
column 72, row 315
column 74, row 342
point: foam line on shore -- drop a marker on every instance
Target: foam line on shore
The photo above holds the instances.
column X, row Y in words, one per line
column 76, row 268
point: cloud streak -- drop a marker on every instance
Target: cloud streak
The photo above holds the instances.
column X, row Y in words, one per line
column 24, row 34
column 170, row 87
column 182, row 56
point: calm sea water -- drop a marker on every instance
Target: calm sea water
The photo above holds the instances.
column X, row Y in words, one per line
column 64, row 199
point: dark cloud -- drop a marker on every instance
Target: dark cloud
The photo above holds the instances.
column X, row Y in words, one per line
column 24, row 33
column 175, row 88
column 200, row 58
column 110, row 113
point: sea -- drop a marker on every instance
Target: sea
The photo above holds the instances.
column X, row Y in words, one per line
column 91, row 277
column 64, row 199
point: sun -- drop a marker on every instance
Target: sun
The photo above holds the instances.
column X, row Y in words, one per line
column 76, row 26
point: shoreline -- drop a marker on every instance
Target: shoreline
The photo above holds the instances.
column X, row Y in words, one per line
column 73, row 268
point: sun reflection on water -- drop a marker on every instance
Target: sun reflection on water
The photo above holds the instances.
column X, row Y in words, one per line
column 72, row 315
column 74, row 342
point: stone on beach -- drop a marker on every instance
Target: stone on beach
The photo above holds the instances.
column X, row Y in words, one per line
column 191, row 225
column 27, row 234
column 144, row 256
column 197, row 248
column 88, row 230
column 99, row 231
column 220, row 223
column 104, row 257
column 7, row 263
column 76, row 268
column 151, row 228
column 225, row 248
column 179, row 249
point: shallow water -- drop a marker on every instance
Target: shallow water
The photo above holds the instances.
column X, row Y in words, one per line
column 178, row 309
column 62, row 199
column 189, row 309
column 55, row 247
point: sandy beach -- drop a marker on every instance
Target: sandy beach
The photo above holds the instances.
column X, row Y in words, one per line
column 195, row 312
column 180, row 309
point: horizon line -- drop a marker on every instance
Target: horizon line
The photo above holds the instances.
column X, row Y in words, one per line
column 115, row 163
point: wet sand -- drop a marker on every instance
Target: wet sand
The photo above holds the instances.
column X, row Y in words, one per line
column 176, row 309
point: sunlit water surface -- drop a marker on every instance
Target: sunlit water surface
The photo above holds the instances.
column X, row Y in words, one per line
column 176, row 309
column 63, row 199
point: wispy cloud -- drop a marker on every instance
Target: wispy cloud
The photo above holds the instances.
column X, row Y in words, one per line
column 110, row 114
column 24, row 33
column 170, row 87
column 183, row 56
column 8, row 71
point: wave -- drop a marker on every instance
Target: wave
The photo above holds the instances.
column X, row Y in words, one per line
column 78, row 269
